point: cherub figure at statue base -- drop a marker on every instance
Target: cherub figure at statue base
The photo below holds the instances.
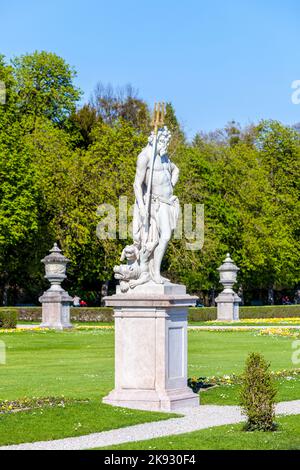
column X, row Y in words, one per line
column 136, row 271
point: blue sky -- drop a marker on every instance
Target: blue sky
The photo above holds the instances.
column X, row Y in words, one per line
column 215, row 60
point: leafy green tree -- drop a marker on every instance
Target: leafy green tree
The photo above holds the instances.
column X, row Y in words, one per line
column 279, row 148
column 262, row 240
column 245, row 212
column 58, row 164
column 74, row 182
column 233, row 133
column 122, row 103
column 197, row 185
column 20, row 218
column 44, row 84
column 173, row 125
column 83, row 121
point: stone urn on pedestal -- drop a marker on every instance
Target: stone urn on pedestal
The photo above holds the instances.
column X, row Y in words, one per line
column 228, row 301
column 55, row 301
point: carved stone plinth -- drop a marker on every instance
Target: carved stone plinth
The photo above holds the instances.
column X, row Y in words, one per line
column 56, row 309
column 151, row 348
column 228, row 306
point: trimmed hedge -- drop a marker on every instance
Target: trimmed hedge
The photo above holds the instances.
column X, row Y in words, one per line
column 8, row 318
column 105, row 314
column 78, row 314
column 267, row 311
column 86, row 314
column 202, row 314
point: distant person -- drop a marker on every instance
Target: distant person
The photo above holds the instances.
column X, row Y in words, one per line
column 83, row 303
column 297, row 297
column 76, row 301
column 286, row 300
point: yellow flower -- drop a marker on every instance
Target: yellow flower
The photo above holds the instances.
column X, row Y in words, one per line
column 295, row 320
column 94, row 327
column 279, row 332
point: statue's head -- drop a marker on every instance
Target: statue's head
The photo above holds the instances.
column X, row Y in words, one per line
column 163, row 140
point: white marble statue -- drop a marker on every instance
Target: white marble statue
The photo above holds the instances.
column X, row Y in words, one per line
column 155, row 214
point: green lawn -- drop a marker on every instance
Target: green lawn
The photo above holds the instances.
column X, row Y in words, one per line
column 73, row 420
column 224, row 352
column 80, row 365
column 76, row 364
column 226, row 438
column 229, row 394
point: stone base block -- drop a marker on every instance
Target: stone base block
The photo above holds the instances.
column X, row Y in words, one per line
column 56, row 310
column 151, row 348
column 153, row 400
column 56, row 326
column 228, row 306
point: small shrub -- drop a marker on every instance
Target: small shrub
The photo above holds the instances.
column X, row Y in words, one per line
column 8, row 319
column 258, row 393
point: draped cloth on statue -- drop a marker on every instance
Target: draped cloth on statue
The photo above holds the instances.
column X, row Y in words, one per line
column 150, row 240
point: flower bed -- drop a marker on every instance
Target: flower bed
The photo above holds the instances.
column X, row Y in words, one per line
column 280, row 332
column 287, row 320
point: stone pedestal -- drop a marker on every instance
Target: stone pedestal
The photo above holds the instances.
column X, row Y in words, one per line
column 228, row 306
column 151, row 348
column 228, row 301
column 56, row 309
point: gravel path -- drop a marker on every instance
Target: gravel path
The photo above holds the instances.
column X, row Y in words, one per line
column 205, row 416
